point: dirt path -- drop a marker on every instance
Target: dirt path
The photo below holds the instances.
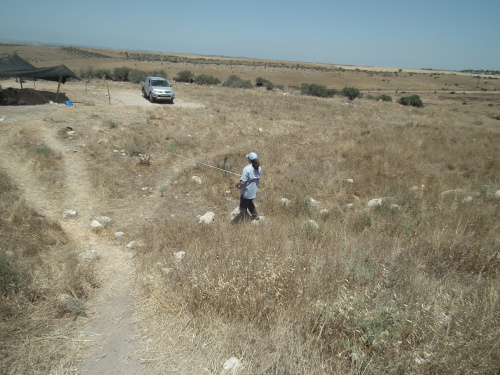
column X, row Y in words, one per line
column 110, row 322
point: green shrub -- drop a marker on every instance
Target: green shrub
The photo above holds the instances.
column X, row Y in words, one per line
column 237, row 82
column 314, row 89
column 204, row 79
column 413, row 100
column 259, row 82
column 121, row 74
column 384, row 98
column 136, row 149
column 103, row 74
column 158, row 73
column 351, row 92
column 185, row 76
column 136, row 75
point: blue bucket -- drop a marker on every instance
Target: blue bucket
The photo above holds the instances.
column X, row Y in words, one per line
column 69, row 103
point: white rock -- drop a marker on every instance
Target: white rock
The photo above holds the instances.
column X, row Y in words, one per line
column 377, row 202
column 65, row 298
column 497, row 194
column 68, row 214
column 179, row 255
column 131, row 245
column 231, row 366
column 104, row 219
column 324, row 211
column 197, row 180
column 119, row 234
column 350, row 180
column 311, row 223
column 350, row 206
column 313, row 202
column 451, row 192
column 91, row 254
column 234, row 213
column 467, row 200
column 395, row 207
column 166, row 271
column 285, row 201
column 208, row 218
column 95, row 224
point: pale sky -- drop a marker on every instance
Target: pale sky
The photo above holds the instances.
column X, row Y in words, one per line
column 436, row 34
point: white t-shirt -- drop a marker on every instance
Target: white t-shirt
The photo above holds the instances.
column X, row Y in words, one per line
column 251, row 178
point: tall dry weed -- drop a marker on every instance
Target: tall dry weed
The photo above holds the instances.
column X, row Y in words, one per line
column 386, row 289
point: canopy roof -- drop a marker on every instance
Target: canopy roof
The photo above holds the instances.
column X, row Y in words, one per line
column 15, row 66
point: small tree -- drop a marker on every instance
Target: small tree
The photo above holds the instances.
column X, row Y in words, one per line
column 413, row 100
column 121, row 74
column 351, row 92
column 136, row 75
column 235, row 81
column 314, row 89
column 204, row 79
column 185, row 76
column 259, row 82
column 384, row 98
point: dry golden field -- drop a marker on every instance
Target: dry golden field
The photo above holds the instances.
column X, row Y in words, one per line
column 386, row 260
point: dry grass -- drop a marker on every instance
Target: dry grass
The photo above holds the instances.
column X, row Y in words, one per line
column 406, row 288
column 411, row 286
column 37, row 267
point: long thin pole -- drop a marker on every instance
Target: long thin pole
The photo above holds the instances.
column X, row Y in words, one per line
column 58, row 87
column 206, row 165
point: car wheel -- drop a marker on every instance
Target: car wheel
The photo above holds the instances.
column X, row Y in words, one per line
column 144, row 94
column 151, row 99
column 171, row 101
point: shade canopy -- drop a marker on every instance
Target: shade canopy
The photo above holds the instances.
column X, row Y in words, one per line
column 15, row 66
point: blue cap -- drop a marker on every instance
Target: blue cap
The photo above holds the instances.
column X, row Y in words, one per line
column 252, row 156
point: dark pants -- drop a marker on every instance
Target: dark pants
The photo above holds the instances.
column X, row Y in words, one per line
column 247, row 204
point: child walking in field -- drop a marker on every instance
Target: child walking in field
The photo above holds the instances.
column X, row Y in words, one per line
column 249, row 185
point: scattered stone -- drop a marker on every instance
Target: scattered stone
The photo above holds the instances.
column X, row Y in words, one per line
column 350, row 180
column 119, row 234
column 350, row 206
column 313, row 202
column 285, row 201
column 104, row 219
column 69, row 214
column 324, row 212
column 467, row 200
column 71, row 132
column 64, row 298
column 376, row 202
column 196, row 179
column 497, row 194
column 91, row 255
column 208, row 218
column 311, row 223
column 166, row 271
column 179, row 255
column 234, row 213
column 231, row 366
column 131, row 245
column 451, row 192
column 395, row 207
column 95, row 224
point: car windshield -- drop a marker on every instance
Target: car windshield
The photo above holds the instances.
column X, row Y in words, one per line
column 159, row 82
